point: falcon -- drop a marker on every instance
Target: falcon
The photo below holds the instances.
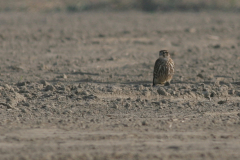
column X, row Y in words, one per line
column 163, row 69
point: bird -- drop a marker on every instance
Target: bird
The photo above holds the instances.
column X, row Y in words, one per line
column 163, row 69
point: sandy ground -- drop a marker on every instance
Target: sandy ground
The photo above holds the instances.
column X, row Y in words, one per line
column 79, row 86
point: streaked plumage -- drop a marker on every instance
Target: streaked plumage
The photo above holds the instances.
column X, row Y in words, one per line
column 163, row 69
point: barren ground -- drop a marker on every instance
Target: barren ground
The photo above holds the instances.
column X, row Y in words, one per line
column 78, row 86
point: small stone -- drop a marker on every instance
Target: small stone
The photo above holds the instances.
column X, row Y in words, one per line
column 46, row 106
column 164, row 101
column 217, row 46
column 21, row 83
column 194, row 89
column 40, row 86
column 26, row 104
column 232, row 91
column 49, row 88
column 144, row 123
column 206, row 93
column 162, row 91
column 156, row 103
column 173, row 93
column 147, row 93
column 200, row 75
column 112, row 59
column 216, row 83
column 213, row 94
column 63, row 88
column 192, row 94
column 230, row 85
column 190, row 30
column 112, row 89
column 139, row 99
column 213, row 37
column 119, row 99
column 80, row 92
column 91, row 96
column 23, row 89
column 101, row 35
column 45, row 83
column 140, row 87
column 127, row 106
column 147, row 85
column 180, row 106
column 67, row 112
column 221, row 102
column 115, row 106
column 28, row 95
column 224, row 90
column 64, row 76
column 6, row 86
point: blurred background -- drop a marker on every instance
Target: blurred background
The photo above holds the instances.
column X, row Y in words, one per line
column 117, row 5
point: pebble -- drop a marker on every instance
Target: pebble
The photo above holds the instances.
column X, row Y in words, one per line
column 200, row 75
column 82, row 92
column 216, row 83
column 206, row 93
column 162, row 91
column 224, row 90
column 140, row 87
column 7, row 87
column 49, row 88
column 64, row 76
column 112, row 89
column 147, row 93
column 45, row 83
column 232, row 91
column 21, row 83
column 190, row 30
column 127, row 106
column 91, row 96
column 217, row 46
column 144, row 123
column 115, row 106
column 213, row 94
column 164, row 101
column 192, row 94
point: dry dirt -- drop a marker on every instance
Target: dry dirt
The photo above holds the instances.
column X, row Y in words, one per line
column 79, row 86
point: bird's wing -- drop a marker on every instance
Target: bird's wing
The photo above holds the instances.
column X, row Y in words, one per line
column 159, row 67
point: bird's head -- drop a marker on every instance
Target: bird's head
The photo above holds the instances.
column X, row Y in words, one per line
column 164, row 54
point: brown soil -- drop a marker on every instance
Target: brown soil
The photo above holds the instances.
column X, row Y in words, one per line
column 79, row 86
